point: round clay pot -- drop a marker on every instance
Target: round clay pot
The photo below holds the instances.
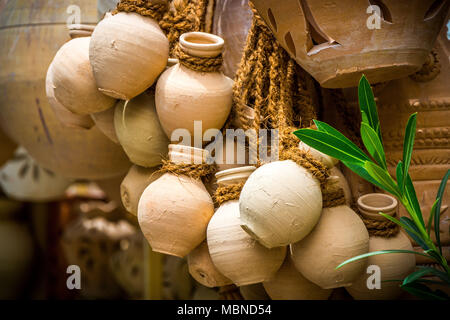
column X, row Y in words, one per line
column 297, row 202
column 203, row 270
column 392, row 266
column 174, row 211
column 334, row 43
column 184, row 95
column 139, row 131
column 289, row 284
column 342, row 183
column 134, row 184
column 127, row 53
column 235, row 254
column 339, row 235
column 104, row 121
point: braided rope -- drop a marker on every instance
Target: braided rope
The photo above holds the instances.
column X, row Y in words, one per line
column 195, row 171
column 143, row 7
column 228, row 193
column 201, row 64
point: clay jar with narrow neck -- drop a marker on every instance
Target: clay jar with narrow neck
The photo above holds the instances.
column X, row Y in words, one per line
column 234, row 252
column 184, row 95
column 174, row 211
column 393, row 266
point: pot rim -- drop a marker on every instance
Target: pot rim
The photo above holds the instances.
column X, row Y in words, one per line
column 387, row 209
column 213, row 48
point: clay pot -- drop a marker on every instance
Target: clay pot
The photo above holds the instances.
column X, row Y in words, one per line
column 392, row 266
column 339, row 235
column 235, row 254
column 22, row 179
column 289, row 284
column 334, row 43
column 139, row 131
column 25, row 114
column 184, row 95
column 134, row 184
column 80, row 30
column 127, row 53
column 104, row 121
column 203, row 270
column 297, row 202
column 174, row 211
column 342, row 183
column 73, row 81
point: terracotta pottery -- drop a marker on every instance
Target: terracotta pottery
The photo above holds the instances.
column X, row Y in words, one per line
column 127, row 53
column 392, row 266
column 296, row 202
column 203, row 270
column 254, row 292
column 25, row 115
column 342, row 183
column 235, row 253
column 174, row 210
column 104, row 121
column 184, row 95
column 22, row 179
column 336, row 43
column 289, row 284
column 134, row 184
column 339, row 235
column 139, row 131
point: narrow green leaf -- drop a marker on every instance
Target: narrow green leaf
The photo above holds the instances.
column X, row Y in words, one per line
column 418, row 274
column 408, row 144
column 373, row 145
column 413, row 232
column 367, row 104
column 366, row 255
column 364, row 118
column 383, row 177
column 410, row 228
column 431, row 217
column 328, row 144
column 422, row 291
column 362, row 172
column 437, row 215
column 411, row 195
column 399, row 173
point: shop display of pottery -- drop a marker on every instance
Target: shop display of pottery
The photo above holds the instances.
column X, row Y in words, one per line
column 21, row 178
column 336, row 42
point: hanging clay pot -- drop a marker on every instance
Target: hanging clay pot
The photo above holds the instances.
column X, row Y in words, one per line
column 339, row 235
column 184, row 95
column 289, row 284
column 337, row 42
column 127, row 53
column 235, row 254
column 280, row 203
column 203, row 270
column 392, row 266
column 104, row 121
column 22, row 179
column 254, row 292
column 134, row 184
column 139, row 131
column 174, row 210
column 73, row 82
column 40, row 27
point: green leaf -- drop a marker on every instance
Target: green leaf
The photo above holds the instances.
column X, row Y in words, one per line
column 413, row 232
column 399, row 173
column 366, row 255
column 418, row 274
column 412, row 200
column 422, row 291
column 367, row 105
column 383, row 177
column 431, row 217
column 408, row 144
column 437, row 214
column 329, row 144
column 362, row 172
column 373, row 144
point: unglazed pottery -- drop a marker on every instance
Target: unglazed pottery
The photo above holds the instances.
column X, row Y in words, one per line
column 104, row 121
column 203, row 270
column 139, row 131
column 174, row 210
column 328, row 161
column 289, row 284
column 127, row 53
column 254, row 292
column 235, row 253
column 342, row 183
column 280, row 203
column 184, row 95
column 392, row 266
column 339, row 235
column 336, row 43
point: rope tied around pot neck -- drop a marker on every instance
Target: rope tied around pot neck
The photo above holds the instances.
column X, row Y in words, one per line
column 378, row 228
column 146, row 8
column 200, row 64
column 228, row 193
column 192, row 170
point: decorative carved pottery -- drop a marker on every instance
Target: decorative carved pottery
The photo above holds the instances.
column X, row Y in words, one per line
column 184, row 95
column 127, row 53
column 174, row 210
column 333, row 41
column 104, row 121
column 25, row 114
column 289, row 284
column 392, row 266
column 235, row 253
column 297, row 202
column 139, row 131
column 22, row 179
column 339, row 235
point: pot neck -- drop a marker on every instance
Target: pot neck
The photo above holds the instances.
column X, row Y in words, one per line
column 234, row 176
column 201, row 44
column 80, row 30
column 371, row 204
column 185, row 154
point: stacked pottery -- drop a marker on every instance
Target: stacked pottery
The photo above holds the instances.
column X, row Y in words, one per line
column 234, row 252
column 186, row 94
column 174, row 210
column 392, row 266
column 104, row 120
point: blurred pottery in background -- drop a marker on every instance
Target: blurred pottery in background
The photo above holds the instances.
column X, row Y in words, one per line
column 7, row 148
column 254, row 292
column 104, row 121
